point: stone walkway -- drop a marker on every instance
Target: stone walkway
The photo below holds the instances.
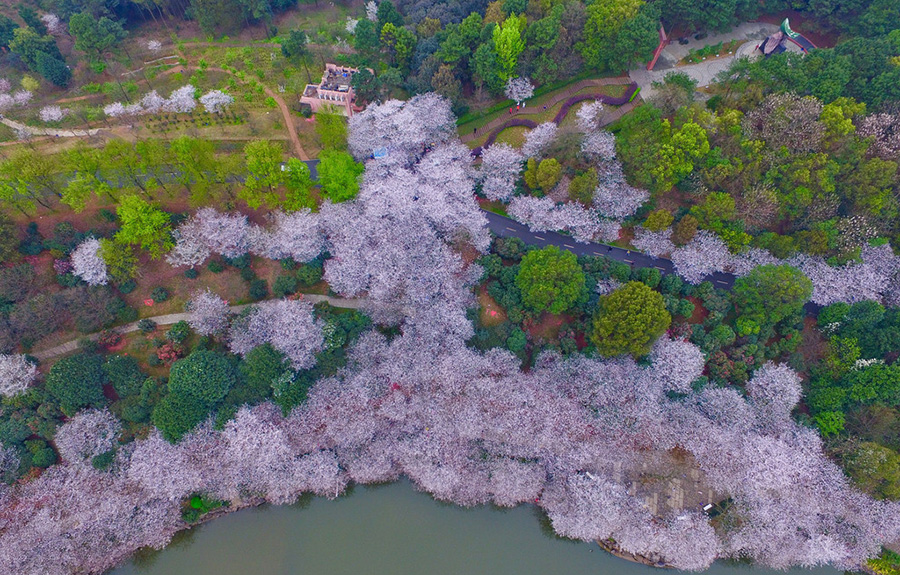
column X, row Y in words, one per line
column 173, row 318
column 704, row 72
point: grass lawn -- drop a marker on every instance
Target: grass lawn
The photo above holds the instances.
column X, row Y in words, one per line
column 490, row 312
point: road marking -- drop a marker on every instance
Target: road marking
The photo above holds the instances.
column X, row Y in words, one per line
column 629, row 261
column 511, row 229
column 660, row 269
column 540, row 238
column 570, row 247
column 723, row 282
column 597, row 254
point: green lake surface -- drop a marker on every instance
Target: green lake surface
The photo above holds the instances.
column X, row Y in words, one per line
column 389, row 530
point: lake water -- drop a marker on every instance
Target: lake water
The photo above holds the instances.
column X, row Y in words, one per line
column 389, row 530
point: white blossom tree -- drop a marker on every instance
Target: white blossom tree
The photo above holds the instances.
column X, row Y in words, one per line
column 5, row 86
column 87, row 435
column 152, row 103
column 53, row 24
column 16, row 374
column 154, row 46
column 296, row 235
column 88, row 264
column 518, row 89
column 208, row 313
column 402, row 129
column 53, row 113
column 372, row 10
column 614, row 197
column 542, row 214
column 181, row 100
column 656, row 244
column 703, row 255
column 288, row 325
column 775, row 390
column 216, row 101
column 501, row 165
column 538, row 139
column 677, row 363
column 22, row 97
column 114, row 110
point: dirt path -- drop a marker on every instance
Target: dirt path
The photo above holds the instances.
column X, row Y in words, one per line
column 559, row 97
column 285, row 111
column 49, row 131
column 172, row 318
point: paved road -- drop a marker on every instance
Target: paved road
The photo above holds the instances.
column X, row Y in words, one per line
column 506, row 227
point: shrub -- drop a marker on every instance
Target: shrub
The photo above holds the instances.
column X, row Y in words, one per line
column 239, row 262
column 215, row 266
column 33, row 243
column 309, row 274
column 284, row 285
column 77, row 382
column 127, row 287
column 191, row 273
column 103, row 461
column 259, row 289
column 124, row 374
column 247, row 274
column 146, row 326
column 178, row 332
column 204, row 375
column 159, row 294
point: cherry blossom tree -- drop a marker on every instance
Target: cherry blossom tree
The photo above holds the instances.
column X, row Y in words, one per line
column 518, row 89
column 181, row 100
column 296, row 235
column 225, row 234
column 599, row 145
column 5, row 86
column 208, row 313
column 775, row 390
column 786, row 120
column 402, row 129
column 288, row 325
column 677, row 363
column 190, row 247
column 538, row 139
column 22, row 97
column 587, row 118
column 350, row 25
column 614, row 198
column 16, row 374
column 215, row 101
column 542, row 214
column 656, row 244
column 53, row 113
column 88, row 264
column 6, row 103
column 87, row 435
column 501, row 165
column 372, row 10
column 114, row 110
column 703, row 255
column 884, row 131
column 53, row 24
column 152, row 103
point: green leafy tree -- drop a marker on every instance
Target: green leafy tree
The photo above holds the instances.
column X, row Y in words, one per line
column 263, row 159
column 332, row 130
column 387, row 14
column 365, row 40
column 7, row 31
column 508, row 44
column 658, row 220
column 618, row 33
column 77, row 382
column 629, row 320
column 204, row 375
column 875, row 469
column 400, row 44
column 175, row 415
column 486, row 70
column 771, row 293
column 31, row 19
column 299, row 187
column 93, row 35
column 339, row 175
column 582, row 187
column 145, row 225
column 294, row 47
column 9, row 238
column 550, row 280
column 260, row 369
column 121, row 263
column 53, row 69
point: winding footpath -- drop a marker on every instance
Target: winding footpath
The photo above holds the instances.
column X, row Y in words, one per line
column 173, row 318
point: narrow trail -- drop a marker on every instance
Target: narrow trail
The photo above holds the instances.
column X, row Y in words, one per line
column 49, row 131
column 172, row 318
column 559, row 97
column 282, row 106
